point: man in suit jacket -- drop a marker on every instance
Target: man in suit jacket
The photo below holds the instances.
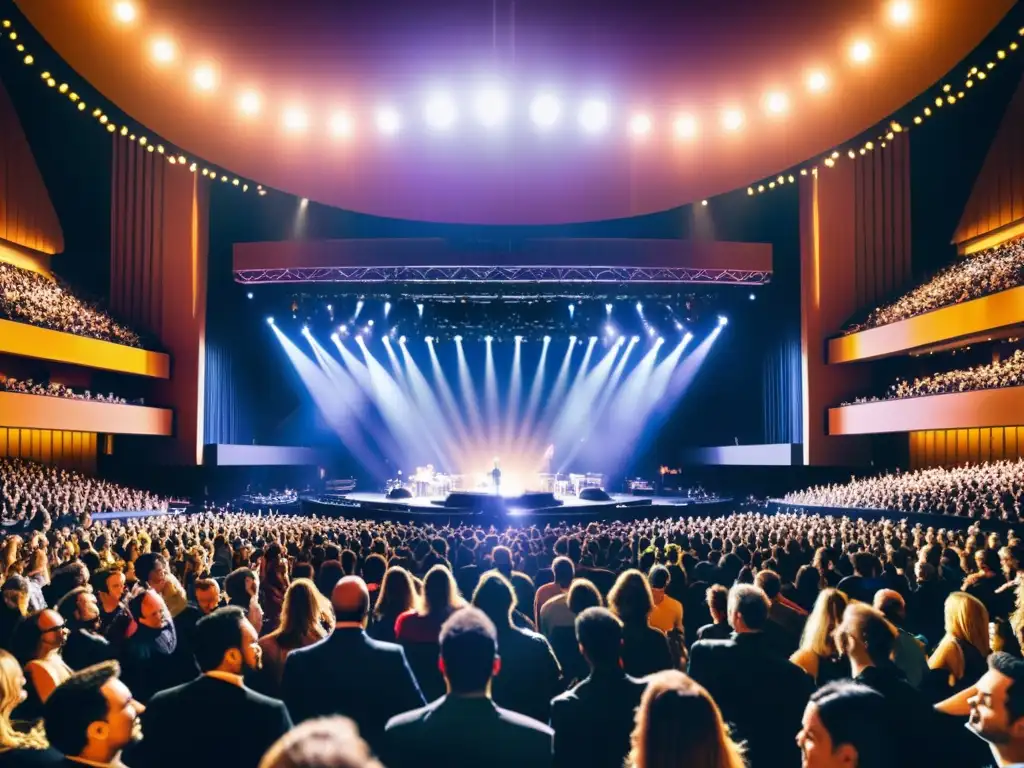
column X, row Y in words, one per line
column 465, row 729
column 593, row 720
column 758, row 690
column 349, row 673
column 242, row 724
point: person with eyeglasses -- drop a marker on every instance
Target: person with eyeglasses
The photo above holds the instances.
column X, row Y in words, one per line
column 37, row 644
column 146, row 655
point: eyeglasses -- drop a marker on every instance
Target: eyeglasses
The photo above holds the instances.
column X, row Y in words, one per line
column 57, row 628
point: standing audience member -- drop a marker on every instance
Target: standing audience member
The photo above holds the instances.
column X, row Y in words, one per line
column 817, row 654
column 146, row 658
column 348, row 672
column 785, row 619
column 563, row 571
column 397, row 595
column 465, row 729
column 667, row 613
column 21, row 744
column 845, row 726
column 679, row 724
column 997, row 709
column 593, row 720
column 247, row 723
column 418, row 631
column 326, row 742
column 37, row 645
column 305, row 618
column 909, row 656
column 644, row 649
column 84, row 646
column 559, row 619
column 152, row 571
column 717, row 599
column 959, row 658
column 242, row 587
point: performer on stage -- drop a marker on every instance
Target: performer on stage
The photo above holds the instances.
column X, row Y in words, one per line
column 496, row 477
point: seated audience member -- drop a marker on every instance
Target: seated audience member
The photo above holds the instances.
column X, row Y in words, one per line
column 348, row 672
column 91, row 717
column 845, row 726
column 959, row 658
column 644, row 649
column 717, row 598
column 21, row 744
column 997, row 709
column 909, row 656
column 247, row 723
column 242, row 587
column 563, row 571
column 325, row 742
column 593, row 720
column 397, row 596
column 865, row 580
column 147, row 656
column 465, row 728
column 108, row 584
column 14, row 607
column 306, row 617
column 559, row 618
column 84, row 645
column 418, row 631
column 152, row 570
column 679, row 724
column 817, row 654
column 667, row 613
column 785, row 619
column 530, row 675
column 37, row 645
column 329, row 574
column 750, row 661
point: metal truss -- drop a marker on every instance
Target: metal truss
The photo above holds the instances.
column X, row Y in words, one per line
column 502, row 275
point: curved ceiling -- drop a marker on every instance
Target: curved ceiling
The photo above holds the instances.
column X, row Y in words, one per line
column 652, row 104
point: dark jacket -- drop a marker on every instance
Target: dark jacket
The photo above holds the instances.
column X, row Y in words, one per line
column 242, row 725
column 759, row 691
column 714, row 632
column 645, row 650
column 146, row 661
column 529, row 676
column 84, row 648
column 349, row 673
column 457, row 732
column 593, row 720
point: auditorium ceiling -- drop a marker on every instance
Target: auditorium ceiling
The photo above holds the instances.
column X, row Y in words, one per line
column 501, row 112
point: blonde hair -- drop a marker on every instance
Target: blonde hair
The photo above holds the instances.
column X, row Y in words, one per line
column 303, row 615
column 678, row 723
column 327, row 742
column 966, row 619
column 12, row 690
column 826, row 615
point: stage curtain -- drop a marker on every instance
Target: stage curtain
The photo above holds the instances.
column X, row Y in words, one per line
column 781, row 390
column 223, row 413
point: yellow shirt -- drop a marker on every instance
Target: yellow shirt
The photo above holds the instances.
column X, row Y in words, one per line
column 667, row 615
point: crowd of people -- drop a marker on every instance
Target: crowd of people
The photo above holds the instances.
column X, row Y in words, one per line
column 53, row 389
column 991, row 490
column 746, row 640
column 29, row 297
column 991, row 271
column 36, row 496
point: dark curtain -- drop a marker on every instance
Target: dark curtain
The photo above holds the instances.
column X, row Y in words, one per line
column 781, row 390
column 224, row 415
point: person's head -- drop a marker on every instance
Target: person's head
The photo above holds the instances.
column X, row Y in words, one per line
column 350, row 600
column 397, row 593
column 630, row 598
column 109, row 583
column 845, row 726
column 965, row 618
column 149, row 609
column 501, row 557
column 92, row 714
column 769, row 582
column 599, row 634
column 240, row 586
column 13, row 693
column 865, row 564
column 582, row 595
column 748, row 608
column 717, row 599
column 826, row 615
column 303, row 614
column 151, row 569
column 327, row 576
column 440, row 593
column 495, row 597
column 207, row 595
column 469, row 652
column 658, row 577
column 865, row 636
column 997, row 707
column 323, row 742
column 225, row 641
column 563, row 571
column 678, row 723
column 891, row 604
column 16, row 593
column 79, row 608
column 37, row 635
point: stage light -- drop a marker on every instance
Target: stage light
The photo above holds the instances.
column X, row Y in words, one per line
column 401, row 339
column 547, row 339
column 635, row 339
column 594, row 116
column 621, row 341
column 296, row 119
column 163, row 50
column 593, row 339
column 752, row 297
column 359, row 308
column 639, row 307
column 419, row 308
column 723, row 320
column 304, row 203
column 343, row 329
column 387, row 308
column 572, row 310
column 817, row 81
column 388, row 121
column 330, row 307
column 305, row 330
column 860, row 51
column 572, row 339
column 900, row 12
column 270, row 320
column 124, row 12
column 204, row 77
column 429, row 339
column 458, row 339
column 776, row 103
column 704, row 203
column 369, row 323
column 544, row 110
column 660, row 341
column 679, row 326
column 732, row 119
column 650, row 330
column 341, row 124
column 491, row 106
column 609, row 329
column 488, row 339
column 335, row 338
column 640, row 125
column 249, row 103
column 248, row 295
column 439, row 111
column 519, row 339
column 685, row 127
column 608, row 308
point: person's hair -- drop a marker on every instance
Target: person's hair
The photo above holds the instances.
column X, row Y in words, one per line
column 374, row 568
column 75, row 704
column 469, row 644
column 599, row 633
column 303, row 615
column 965, row 618
column 827, row 613
column 495, row 596
column 234, row 584
column 630, row 598
column 146, row 564
column 100, row 578
column 891, row 604
column 204, row 585
column 750, row 603
column 854, row 714
column 717, row 598
column 872, row 629
column 678, row 723
column 216, row 634
column 397, row 593
column 563, row 571
column 582, row 595
column 658, row 577
column 68, row 604
column 1013, row 668
column 323, row 742
column 26, row 637
column 10, row 697
column 769, row 582
column 328, row 575
column 440, row 593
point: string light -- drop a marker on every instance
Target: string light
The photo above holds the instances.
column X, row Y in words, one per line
column 860, row 51
column 817, row 81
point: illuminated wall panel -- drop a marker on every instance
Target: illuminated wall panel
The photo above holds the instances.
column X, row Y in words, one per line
column 954, row 447
column 73, row 450
column 959, row 411
column 42, row 412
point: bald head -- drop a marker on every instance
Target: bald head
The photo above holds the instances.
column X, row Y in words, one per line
column 891, row 604
column 350, row 599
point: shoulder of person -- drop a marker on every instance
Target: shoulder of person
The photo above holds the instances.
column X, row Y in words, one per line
column 410, row 718
column 524, row 721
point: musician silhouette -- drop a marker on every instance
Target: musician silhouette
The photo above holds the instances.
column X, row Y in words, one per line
column 496, row 477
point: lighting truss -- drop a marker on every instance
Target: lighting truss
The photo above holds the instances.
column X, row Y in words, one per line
column 503, row 274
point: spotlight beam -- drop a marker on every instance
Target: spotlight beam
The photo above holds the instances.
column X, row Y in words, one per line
column 447, row 397
column 468, row 392
column 514, row 393
column 533, row 400
column 491, row 395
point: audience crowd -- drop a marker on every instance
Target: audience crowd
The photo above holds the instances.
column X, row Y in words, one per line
column 278, row 641
column 991, row 271
column 987, row 490
column 52, row 389
column 29, row 297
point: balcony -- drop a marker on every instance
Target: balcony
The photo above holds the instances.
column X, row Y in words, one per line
column 25, row 340
column 59, row 413
column 962, row 410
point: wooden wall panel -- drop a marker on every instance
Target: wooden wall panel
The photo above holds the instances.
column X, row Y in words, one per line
column 27, row 216
column 954, row 447
column 72, row 450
